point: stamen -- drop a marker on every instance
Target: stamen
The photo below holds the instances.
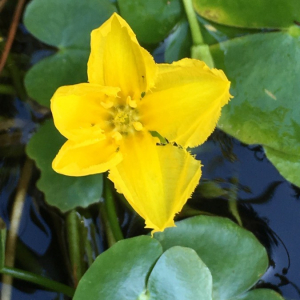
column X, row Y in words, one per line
column 138, row 126
column 131, row 103
column 107, row 104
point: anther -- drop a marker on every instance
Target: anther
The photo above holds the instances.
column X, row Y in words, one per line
column 137, row 126
column 107, row 104
column 131, row 103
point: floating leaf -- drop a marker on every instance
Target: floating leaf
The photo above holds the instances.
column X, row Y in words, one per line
column 65, row 25
column 233, row 255
column 63, row 68
column 152, row 20
column 215, row 33
column 180, row 274
column 287, row 164
column 260, row 294
column 121, row 271
column 61, row 191
column 250, row 14
column 264, row 70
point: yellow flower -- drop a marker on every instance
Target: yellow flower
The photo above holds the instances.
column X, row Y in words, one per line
column 108, row 122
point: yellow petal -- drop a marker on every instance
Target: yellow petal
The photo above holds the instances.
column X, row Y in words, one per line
column 186, row 103
column 156, row 180
column 118, row 60
column 86, row 158
column 77, row 110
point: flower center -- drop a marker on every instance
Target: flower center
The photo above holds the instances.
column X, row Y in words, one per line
column 124, row 119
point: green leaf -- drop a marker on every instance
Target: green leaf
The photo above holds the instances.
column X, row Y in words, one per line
column 61, row 191
column 260, row 294
column 65, row 25
column 152, row 20
column 121, row 271
column 250, row 14
column 68, row 23
column 63, row 68
column 180, row 274
column 233, row 255
column 264, row 70
column 215, row 33
column 179, row 42
column 287, row 164
column 2, row 243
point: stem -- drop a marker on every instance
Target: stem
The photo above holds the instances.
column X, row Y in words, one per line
column 74, row 246
column 14, row 226
column 199, row 50
column 111, row 210
column 12, row 32
column 40, row 280
column 86, row 240
column 89, row 251
column 16, row 78
column 194, row 25
column 2, row 4
column 6, row 89
column 109, row 234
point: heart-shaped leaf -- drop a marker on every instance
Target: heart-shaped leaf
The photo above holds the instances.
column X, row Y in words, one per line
column 250, row 14
column 233, row 255
column 63, row 68
column 121, row 271
column 180, row 274
column 152, row 20
column 264, row 70
column 65, row 25
column 63, row 192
